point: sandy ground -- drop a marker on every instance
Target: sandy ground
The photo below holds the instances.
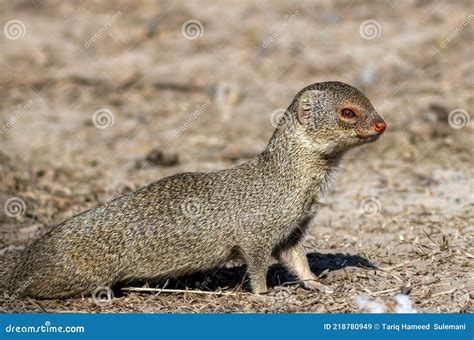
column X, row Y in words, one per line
column 100, row 98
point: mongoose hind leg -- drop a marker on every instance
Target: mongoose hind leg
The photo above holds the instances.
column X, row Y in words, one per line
column 294, row 259
column 50, row 288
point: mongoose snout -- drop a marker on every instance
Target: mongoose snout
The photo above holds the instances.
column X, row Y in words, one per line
column 189, row 222
column 380, row 126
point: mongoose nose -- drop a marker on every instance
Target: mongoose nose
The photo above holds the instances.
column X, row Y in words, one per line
column 380, row 126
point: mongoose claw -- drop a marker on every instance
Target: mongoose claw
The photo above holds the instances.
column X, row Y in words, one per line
column 315, row 285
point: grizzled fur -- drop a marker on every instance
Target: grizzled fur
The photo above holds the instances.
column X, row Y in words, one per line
column 195, row 221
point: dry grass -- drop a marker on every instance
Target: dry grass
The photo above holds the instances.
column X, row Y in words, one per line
column 399, row 218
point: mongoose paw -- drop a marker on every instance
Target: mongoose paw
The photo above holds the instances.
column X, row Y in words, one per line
column 315, row 285
column 260, row 291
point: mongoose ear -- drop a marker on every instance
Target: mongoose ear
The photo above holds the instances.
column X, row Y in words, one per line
column 306, row 104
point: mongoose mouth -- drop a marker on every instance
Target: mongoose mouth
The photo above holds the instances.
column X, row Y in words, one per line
column 368, row 138
column 378, row 130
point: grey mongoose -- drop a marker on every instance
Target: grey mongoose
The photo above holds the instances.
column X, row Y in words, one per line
column 190, row 222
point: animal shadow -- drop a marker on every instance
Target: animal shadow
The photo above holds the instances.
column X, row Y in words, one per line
column 235, row 278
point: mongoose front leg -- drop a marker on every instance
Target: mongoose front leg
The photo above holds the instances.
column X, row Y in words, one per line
column 258, row 262
column 294, row 259
column 258, row 281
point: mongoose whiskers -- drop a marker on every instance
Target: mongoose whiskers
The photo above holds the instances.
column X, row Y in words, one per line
column 196, row 221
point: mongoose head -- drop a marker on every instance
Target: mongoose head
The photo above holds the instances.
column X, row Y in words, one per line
column 334, row 117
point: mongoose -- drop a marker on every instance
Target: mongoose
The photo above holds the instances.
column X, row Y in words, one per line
column 196, row 221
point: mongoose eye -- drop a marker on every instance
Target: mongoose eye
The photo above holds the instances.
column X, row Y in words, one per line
column 348, row 113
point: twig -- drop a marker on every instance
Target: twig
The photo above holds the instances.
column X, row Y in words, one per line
column 392, row 274
column 37, row 304
column 393, row 219
column 386, row 269
column 181, row 291
column 384, row 291
column 445, row 292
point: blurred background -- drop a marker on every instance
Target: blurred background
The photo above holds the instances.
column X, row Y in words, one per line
column 99, row 98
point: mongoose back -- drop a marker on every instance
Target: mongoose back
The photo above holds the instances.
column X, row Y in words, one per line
column 196, row 221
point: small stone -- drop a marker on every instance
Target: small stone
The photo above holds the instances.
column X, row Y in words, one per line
column 405, row 290
column 159, row 158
